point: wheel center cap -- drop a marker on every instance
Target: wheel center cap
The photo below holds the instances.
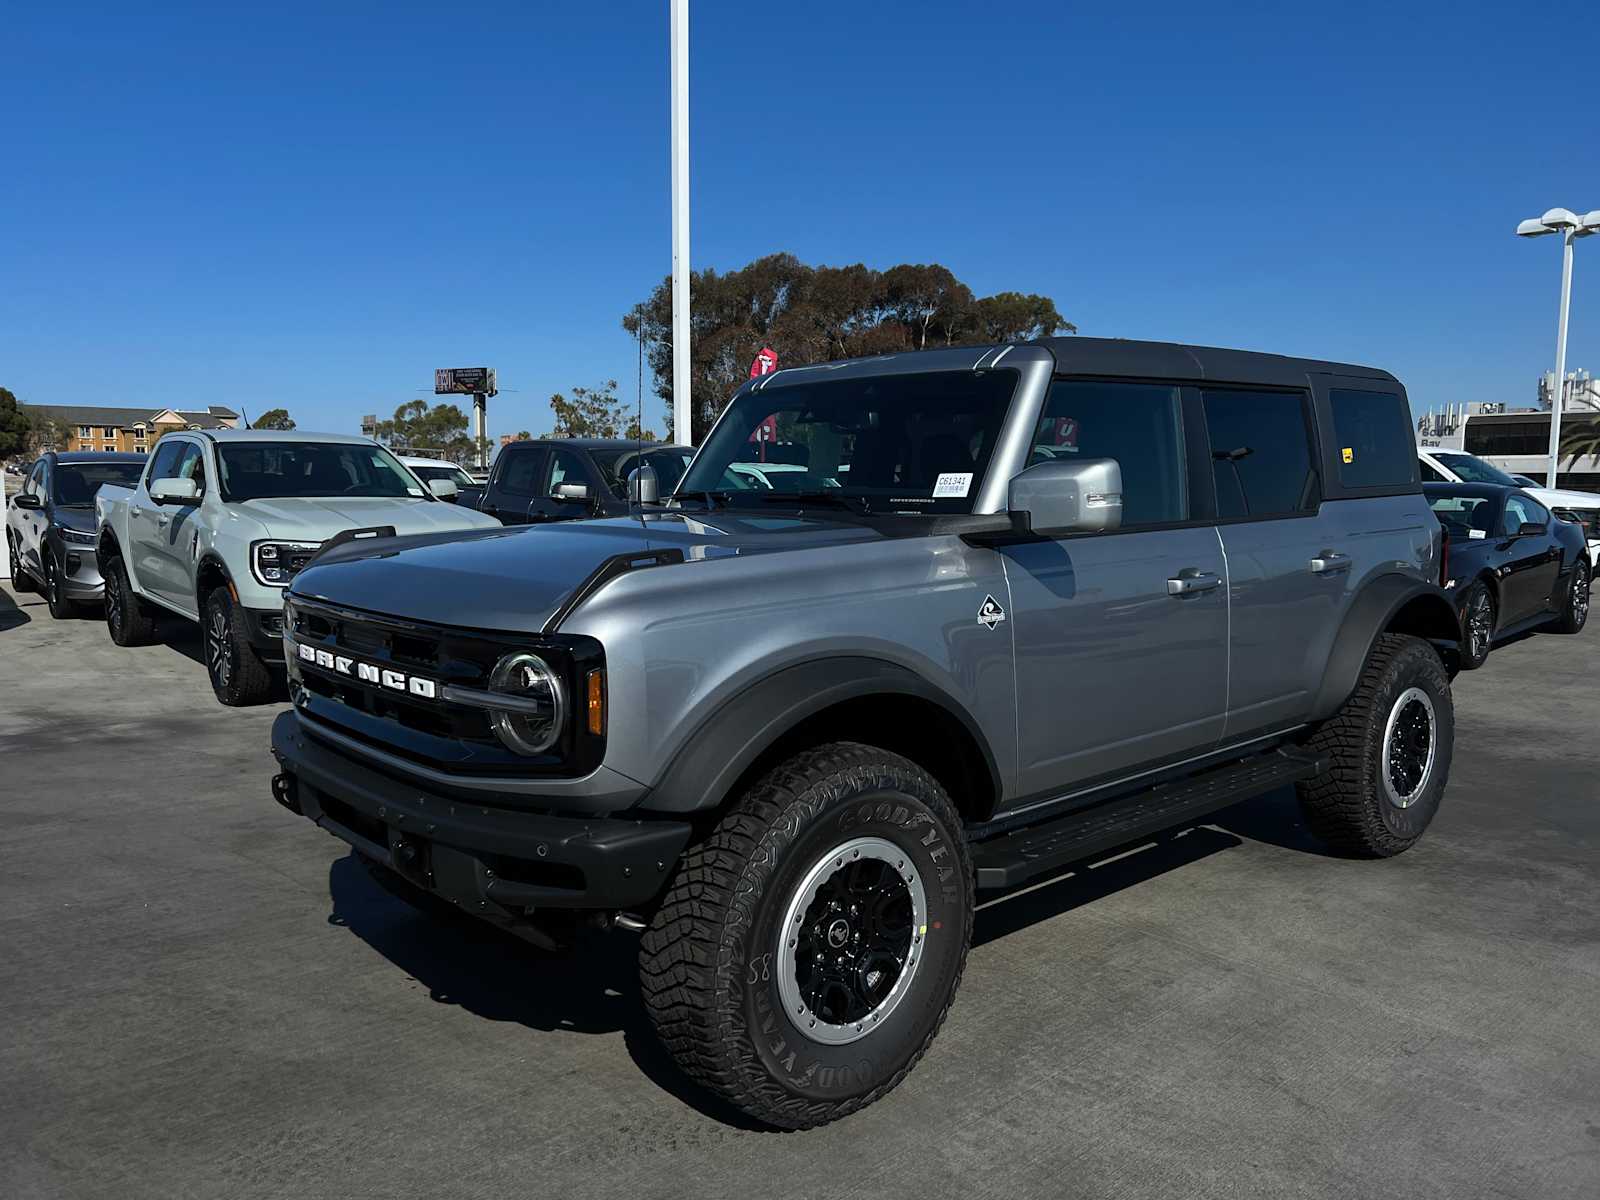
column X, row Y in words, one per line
column 838, row 933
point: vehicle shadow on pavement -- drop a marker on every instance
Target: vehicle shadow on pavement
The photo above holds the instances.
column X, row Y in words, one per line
column 11, row 614
column 591, row 989
column 1274, row 819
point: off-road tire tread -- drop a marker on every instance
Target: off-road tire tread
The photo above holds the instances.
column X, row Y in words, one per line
column 1336, row 803
column 138, row 626
column 252, row 682
column 685, row 973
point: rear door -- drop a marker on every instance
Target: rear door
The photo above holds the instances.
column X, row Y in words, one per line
column 515, row 486
column 1118, row 667
column 1287, row 567
column 32, row 522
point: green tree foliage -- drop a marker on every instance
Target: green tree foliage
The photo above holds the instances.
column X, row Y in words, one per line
column 818, row 314
column 1580, row 436
column 596, row 413
column 273, row 418
column 418, row 425
column 15, row 427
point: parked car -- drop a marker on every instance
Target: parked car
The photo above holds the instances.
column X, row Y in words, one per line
column 221, row 520
column 1457, row 466
column 1068, row 594
column 565, row 479
column 1512, row 565
column 50, row 526
column 430, row 470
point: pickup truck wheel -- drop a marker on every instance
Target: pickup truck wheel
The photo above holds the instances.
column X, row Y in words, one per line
column 808, row 950
column 1389, row 749
column 1575, row 607
column 238, row 676
column 127, row 620
column 55, row 589
column 21, row 581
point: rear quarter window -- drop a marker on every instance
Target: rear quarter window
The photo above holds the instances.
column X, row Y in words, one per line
column 1373, row 444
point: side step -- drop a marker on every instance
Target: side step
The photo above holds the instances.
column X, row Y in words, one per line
column 1014, row 858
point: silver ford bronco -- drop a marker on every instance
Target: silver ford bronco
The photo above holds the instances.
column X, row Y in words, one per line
column 1001, row 610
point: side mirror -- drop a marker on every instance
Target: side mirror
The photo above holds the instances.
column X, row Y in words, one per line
column 570, row 491
column 175, row 491
column 1069, row 496
column 644, row 486
column 1529, row 528
column 26, row 500
column 444, row 489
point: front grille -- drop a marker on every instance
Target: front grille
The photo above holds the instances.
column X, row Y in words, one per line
column 294, row 561
column 402, row 711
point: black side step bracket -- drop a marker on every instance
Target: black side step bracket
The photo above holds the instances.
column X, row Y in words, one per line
column 1014, row 858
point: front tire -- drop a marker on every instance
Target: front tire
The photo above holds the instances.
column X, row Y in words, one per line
column 55, row 589
column 1389, row 748
column 127, row 620
column 1575, row 608
column 21, row 581
column 1477, row 626
column 808, row 950
column 238, row 676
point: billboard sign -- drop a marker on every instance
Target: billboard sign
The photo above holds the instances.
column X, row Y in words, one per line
column 464, row 381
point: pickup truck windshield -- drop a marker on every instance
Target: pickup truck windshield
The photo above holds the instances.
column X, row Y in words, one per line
column 443, row 471
column 77, row 482
column 616, row 464
column 263, row 470
column 889, row 443
column 1469, row 468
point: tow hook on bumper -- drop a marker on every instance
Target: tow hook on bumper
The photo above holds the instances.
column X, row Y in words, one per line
column 286, row 793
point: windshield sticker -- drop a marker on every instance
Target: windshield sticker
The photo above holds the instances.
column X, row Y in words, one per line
column 1476, row 533
column 952, row 485
column 415, row 491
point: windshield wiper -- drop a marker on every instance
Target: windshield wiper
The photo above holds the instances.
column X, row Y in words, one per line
column 831, row 496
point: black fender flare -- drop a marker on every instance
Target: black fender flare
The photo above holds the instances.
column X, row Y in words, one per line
column 1389, row 603
column 727, row 742
column 211, row 559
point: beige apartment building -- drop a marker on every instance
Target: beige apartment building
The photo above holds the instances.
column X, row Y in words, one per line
column 130, row 430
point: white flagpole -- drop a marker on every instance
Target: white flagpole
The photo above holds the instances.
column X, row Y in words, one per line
column 682, row 403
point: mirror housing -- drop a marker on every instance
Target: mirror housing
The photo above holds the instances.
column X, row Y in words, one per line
column 644, row 486
column 1068, row 496
column 570, row 491
column 27, row 500
column 1529, row 528
column 174, row 491
column 443, row 489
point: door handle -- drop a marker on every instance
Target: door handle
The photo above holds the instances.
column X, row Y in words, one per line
column 161, row 521
column 135, row 511
column 1330, row 562
column 1190, row 581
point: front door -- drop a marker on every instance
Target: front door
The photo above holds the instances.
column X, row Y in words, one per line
column 1530, row 561
column 515, row 488
column 563, row 466
column 174, row 544
column 1121, row 639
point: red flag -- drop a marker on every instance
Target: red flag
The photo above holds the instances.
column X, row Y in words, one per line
column 765, row 363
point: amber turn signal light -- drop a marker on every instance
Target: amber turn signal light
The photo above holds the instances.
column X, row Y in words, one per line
column 597, row 703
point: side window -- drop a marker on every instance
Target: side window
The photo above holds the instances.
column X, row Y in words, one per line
column 1521, row 510
column 35, row 482
column 565, row 467
column 193, row 466
column 166, row 458
column 1260, row 453
column 519, row 477
column 1137, row 424
column 1373, row 438
column 1429, row 475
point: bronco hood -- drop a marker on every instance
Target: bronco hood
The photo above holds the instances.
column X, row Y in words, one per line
column 516, row 578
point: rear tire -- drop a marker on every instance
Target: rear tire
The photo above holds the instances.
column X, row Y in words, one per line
column 21, row 581
column 55, row 589
column 808, row 950
column 1575, row 607
column 1389, row 748
column 127, row 619
column 1477, row 625
column 238, row 676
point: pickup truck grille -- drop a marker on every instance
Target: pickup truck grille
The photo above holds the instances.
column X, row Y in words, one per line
column 380, row 681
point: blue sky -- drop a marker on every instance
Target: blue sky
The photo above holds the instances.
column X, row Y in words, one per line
column 314, row 206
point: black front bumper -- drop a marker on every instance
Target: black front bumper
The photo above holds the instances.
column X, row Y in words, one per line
column 497, row 862
column 263, row 628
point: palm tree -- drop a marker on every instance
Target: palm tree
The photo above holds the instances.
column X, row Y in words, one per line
column 1580, row 438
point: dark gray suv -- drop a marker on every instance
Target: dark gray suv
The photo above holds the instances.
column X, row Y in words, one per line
column 50, row 524
column 1012, row 607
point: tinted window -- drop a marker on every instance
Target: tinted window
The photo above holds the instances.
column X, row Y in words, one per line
column 1465, row 516
column 258, row 470
column 519, row 475
column 1469, row 469
column 1429, row 475
column 76, row 483
column 161, row 466
column 1138, row 425
column 1522, row 510
column 615, row 466
column 1260, row 453
column 1373, row 439
column 565, row 467
column 35, row 484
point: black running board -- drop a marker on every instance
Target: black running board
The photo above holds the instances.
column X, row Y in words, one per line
column 1014, row 858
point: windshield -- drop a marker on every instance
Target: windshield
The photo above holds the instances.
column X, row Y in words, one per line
column 669, row 463
column 260, row 470
column 1472, row 469
column 892, row 443
column 1465, row 516
column 442, row 471
column 77, row 482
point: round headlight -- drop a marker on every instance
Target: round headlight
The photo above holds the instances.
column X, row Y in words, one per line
column 531, row 724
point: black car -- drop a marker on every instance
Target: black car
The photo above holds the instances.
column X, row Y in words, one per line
column 1511, row 564
column 50, row 525
column 562, row 479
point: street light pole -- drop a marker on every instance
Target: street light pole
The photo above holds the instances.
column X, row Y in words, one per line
column 682, row 402
column 1571, row 227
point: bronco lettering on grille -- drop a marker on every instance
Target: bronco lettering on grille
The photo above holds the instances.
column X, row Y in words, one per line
column 398, row 681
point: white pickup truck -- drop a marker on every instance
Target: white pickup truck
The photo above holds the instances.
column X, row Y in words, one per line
column 221, row 520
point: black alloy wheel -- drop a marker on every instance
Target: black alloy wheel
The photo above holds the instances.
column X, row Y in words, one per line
column 1477, row 626
column 55, row 589
column 219, row 647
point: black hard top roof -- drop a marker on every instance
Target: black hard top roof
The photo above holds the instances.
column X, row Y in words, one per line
column 595, row 444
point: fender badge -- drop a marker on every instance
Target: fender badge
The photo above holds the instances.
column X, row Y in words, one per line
column 990, row 613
